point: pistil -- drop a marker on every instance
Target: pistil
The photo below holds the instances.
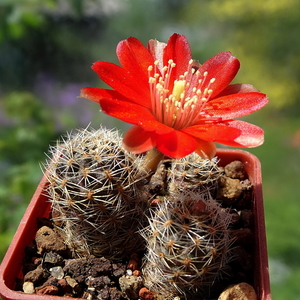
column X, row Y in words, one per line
column 185, row 104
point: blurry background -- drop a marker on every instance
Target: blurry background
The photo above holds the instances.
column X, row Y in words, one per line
column 47, row 48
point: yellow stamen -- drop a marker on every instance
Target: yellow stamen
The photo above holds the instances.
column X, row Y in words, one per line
column 178, row 89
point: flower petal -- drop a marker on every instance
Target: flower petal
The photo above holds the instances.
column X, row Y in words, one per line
column 231, row 133
column 250, row 136
column 178, row 50
column 223, row 67
column 156, row 49
column 134, row 57
column 206, row 149
column 123, row 82
column 215, row 132
column 137, row 140
column 176, row 144
column 237, row 88
column 133, row 114
column 236, row 105
column 96, row 94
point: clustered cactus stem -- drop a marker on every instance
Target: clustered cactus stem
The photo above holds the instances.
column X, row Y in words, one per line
column 187, row 237
column 101, row 196
column 194, row 173
column 95, row 187
column 188, row 243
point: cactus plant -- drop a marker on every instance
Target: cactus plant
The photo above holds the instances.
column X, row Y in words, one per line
column 95, row 190
column 187, row 237
column 194, row 173
column 188, row 244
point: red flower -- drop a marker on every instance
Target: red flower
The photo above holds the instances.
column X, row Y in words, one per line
column 176, row 104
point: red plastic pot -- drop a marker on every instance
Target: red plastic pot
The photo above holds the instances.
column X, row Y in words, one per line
column 11, row 266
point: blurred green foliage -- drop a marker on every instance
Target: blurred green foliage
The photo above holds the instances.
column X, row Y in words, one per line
column 22, row 144
column 47, row 48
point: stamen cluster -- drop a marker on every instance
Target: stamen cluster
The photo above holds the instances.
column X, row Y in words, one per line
column 180, row 103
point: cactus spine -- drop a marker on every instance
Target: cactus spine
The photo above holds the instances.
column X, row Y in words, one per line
column 187, row 237
column 95, row 190
column 100, row 207
column 194, row 173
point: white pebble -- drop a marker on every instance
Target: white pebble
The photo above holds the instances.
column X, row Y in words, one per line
column 28, row 287
column 57, row 272
column 129, row 272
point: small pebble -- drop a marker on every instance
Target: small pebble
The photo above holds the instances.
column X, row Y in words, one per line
column 132, row 264
column 71, row 282
column 47, row 240
column 240, row 291
column 57, row 272
column 37, row 260
column 229, row 190
column 145, row 294
column 35, row 276
column 131, row 285
column 89, row 294
column 52, row 258
column 137, row 273
column 48, row 290
column 28, row 287
column 64, row 286
column 235, row 170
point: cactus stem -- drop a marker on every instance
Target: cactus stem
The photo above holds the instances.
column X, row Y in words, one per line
column 152, row 159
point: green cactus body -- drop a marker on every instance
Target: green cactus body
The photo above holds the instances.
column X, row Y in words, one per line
column 95, row 190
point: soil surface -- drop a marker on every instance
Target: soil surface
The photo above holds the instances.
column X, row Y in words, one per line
column 50, row 269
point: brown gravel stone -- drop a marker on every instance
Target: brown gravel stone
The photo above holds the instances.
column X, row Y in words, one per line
column 48, row 290
column 104, row 293
column 64, row 286
column 132, row 265
column 76, row 288
column 50, row 281
column 235, row 170
column 145, row 294
column 87, row 266
column 98, row 282
column 131, row 285
column 71, row 282
column 137, row 273
column 115, row 294
column 240, row 291
column 119, row 269
column 35, row 276
column 229, row 190
column 53, row 258
column 48, row 240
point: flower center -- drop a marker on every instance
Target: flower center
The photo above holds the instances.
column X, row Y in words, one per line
column 184, row 105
